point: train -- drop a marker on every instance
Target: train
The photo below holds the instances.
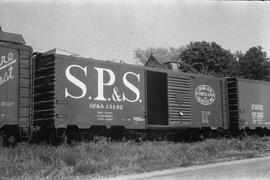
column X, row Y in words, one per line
column 54, row 97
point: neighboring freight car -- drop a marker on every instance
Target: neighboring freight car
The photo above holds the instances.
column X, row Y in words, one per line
column 15, row 88
column 249, row 106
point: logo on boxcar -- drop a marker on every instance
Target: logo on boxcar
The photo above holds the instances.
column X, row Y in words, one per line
column 205, row 95
column 110, row 92
column 115, row 94
column 6, row 68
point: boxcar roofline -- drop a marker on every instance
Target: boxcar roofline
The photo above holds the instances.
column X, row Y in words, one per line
column 104, row 62
column 253, row 81
column 15, row 46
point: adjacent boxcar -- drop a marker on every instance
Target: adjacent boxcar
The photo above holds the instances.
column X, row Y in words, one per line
column 249, row 104
column 78, row 93
column 15, row 87
column 178, row 100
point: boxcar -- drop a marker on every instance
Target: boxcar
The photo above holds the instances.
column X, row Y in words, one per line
column 15, row 87
column 249, row 105
column 111, row 99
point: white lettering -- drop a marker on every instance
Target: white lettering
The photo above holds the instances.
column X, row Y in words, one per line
column 257, row 107
column 5, row 62
column 101, row 82
column 131, row 87
column 76, row 82
column 7, row 76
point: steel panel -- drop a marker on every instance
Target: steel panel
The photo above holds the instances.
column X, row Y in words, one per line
column 109, row 108
column 25, row 90
column 208, row 105
column 180, row 113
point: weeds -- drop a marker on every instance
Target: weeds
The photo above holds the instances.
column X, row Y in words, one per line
column 111, row 158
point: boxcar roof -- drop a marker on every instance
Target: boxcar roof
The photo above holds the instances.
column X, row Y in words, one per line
column 11, row 37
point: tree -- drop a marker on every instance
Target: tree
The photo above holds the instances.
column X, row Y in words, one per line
column 254, row 65
column 208, row 58
column 238, row 55
column 162, row 54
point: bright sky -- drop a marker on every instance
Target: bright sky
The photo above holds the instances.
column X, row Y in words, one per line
column 112, row 29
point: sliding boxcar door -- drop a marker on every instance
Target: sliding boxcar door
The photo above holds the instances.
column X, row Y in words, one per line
column 157, row 99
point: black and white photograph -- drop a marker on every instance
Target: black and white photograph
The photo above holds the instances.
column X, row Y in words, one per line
column 134, row 90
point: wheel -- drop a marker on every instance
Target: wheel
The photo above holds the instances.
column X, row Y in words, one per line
column 35, row 137
column 9, row 140
column 242, row 134
column 56, row 140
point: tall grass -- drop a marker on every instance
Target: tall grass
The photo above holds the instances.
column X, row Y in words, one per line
column 111, row 158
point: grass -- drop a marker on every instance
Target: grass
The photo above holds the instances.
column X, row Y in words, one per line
column 106, row 159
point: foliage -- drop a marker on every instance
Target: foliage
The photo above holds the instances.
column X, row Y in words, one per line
column 209, row 58
column 254, row 65
column 162, row 54
column 111, row 158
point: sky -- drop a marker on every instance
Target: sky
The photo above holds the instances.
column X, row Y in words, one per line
column 113, row 29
